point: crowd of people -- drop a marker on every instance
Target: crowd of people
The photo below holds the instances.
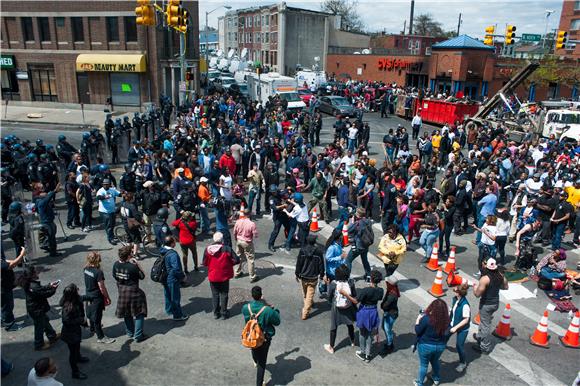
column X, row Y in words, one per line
column 222, row 160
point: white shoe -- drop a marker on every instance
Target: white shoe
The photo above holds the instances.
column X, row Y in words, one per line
column 106, row 340
column 461, row 367
column 86, row 230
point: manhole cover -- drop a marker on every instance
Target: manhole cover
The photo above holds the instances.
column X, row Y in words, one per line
column 239, row 295
column 264, row 264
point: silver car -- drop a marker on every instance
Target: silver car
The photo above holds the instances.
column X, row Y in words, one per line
column 335, row 105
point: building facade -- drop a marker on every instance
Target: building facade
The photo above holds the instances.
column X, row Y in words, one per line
column 209, row 39
column 570, row 22
column 461, row 64
column 88, row 52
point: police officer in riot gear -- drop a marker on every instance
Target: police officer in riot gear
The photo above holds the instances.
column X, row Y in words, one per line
column 186, row 200
column 160, row 226
column 128, row 181
column 47, row 173
column 104, row 173
column 40, row 149
column 137, row 126
column 85, row 149
column 65, row 150
column 116, row 134
column 109, row 125
column 32, row 168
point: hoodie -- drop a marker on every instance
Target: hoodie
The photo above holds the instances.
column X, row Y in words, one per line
column 219, row 260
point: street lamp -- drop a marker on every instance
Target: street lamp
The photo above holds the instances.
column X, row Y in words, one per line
column 207, row 44
column 548, row 13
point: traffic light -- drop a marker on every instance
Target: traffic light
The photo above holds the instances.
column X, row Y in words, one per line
column 145, row 13
column 183, row 20
column 510, row 34
column 561, row 40
column 488, row 40
column 172, row 13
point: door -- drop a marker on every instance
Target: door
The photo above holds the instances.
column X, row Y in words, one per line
column 83, row 87
column 125, row 89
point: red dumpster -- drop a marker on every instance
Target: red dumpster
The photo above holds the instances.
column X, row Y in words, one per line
column 441, row 112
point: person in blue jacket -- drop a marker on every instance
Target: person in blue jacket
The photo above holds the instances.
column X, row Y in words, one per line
column 172, row 286
column 460, row 315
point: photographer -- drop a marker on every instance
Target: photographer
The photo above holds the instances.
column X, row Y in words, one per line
column 73, row 318
column 8, row 283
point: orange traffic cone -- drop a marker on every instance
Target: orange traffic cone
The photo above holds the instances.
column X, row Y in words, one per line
column 437, row 287
column 477, row 319
column 450, row 265
column 434, row 259
column 540, row 336
column 314, row 223
column 571, row 337
column 454, row 279
column 503, row 329
column 344, row 234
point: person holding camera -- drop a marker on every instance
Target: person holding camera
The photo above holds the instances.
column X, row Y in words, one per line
column 7, row 287
column 73, row 318
column 37, row 306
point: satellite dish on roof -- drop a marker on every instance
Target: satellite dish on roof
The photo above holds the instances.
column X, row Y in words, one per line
column 231, row 53
column 366, row 51
column 317, row 58
column 356, row 53
column 220, row 53
column 244, row 53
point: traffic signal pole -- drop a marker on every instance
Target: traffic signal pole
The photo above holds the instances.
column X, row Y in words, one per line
column 182, row 69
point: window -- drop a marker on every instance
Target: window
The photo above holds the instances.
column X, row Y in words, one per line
column 59, row 21
column 43, row 82
column 577, row 6
column 235, row 34
column 242, row 21
column 130, row 28
column 249, row 23
column 112, row 29
column 44, row 29
column 77, row 29
column 267, row 37
column 267, row 19
column 27, row 29
column 250, row 36
column 262, row 20
column 575, row 25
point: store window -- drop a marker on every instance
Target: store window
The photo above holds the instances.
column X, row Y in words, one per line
column 130, row 29
column 112, row 29
column 27, row 29
column 77, row 29
column 44, row 29
column 43, row 82
column 575, row 25
column 59, row 21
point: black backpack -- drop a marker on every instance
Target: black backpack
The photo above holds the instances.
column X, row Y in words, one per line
column 159, row 270
column 366, row 234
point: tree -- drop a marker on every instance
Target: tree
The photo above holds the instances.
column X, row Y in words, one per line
column 425, row 25
column 350, row 20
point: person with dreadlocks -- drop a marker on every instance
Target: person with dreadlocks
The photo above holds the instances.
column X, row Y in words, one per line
column 487, row 289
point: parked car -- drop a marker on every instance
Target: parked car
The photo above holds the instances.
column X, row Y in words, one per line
column 239, row 90
column 335, row 105
column 305, row 94
column 223, row 83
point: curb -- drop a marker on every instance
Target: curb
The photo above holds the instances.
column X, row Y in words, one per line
column 61, row 125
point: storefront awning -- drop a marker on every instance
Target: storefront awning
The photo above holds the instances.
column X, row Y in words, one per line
column 111, row 63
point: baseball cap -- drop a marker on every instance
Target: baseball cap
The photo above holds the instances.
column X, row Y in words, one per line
column 491, row 264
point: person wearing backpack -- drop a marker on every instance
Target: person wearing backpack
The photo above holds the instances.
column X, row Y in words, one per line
column 309, row 268
column 361, row 232
column 267, row 317
column 172, row 284
column 342, row 311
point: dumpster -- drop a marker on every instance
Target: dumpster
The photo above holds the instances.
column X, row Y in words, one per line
column 441, row 112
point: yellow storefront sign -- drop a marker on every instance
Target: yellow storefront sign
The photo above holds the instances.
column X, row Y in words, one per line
column 111, row 63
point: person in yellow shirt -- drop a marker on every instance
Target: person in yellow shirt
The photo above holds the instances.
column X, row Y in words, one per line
column 574, row 194
column 436, row 143
column 392, row 248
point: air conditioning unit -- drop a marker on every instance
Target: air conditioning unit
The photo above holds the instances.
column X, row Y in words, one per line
column 428, row 51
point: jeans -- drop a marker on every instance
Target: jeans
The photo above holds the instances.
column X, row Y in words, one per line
column 557, row 236
column 219, row 296
column 134, row 328
column 500, row 242
column 351, row 144
column 365, row 342
column 354, row 253
column 108, row 220
column 255, row 194
column 205, row 223
column 172, row 292
column 41, row 327
column 86, row 216
column 343, row 216
column 480, row 222
column 275, row 232
column 260, row 357
column 308, row 290
column 72, row 216
column 303, row 231
column 550, row 274
column 7, row 307
column 445, row 236
column 486, row 312
column 388, row 322
column 460, row 344
column 74, row 355
column 96, row 318
column 429, row 353
column 291, row 232
column 50, row 232
column 485, row 251
column 428, row 238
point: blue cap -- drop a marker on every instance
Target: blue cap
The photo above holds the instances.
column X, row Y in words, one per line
column 86, row 135
column 61, row 137
column 298, row 197
column 32, row 156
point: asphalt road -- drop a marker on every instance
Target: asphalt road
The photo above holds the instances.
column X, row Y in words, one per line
column 204, row 351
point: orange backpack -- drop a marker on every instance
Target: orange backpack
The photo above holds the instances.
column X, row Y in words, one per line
column 252, row 334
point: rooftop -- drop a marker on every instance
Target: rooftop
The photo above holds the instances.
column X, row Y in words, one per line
column 462, row 42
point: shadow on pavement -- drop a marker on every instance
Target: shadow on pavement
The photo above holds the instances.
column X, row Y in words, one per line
column 285, row 369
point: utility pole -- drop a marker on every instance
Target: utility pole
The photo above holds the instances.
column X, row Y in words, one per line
column 182, row 70
column 459, row 24
column 411, row 17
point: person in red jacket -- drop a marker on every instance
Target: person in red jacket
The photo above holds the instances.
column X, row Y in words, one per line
column 187, row 227
column 219, row 260
column 228, row 161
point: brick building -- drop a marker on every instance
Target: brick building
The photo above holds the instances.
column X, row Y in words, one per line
column 404, row 44
column 86, row 52
column 458, row 64
column 570, row 22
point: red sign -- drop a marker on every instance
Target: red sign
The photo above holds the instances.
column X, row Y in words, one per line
column 389, row 64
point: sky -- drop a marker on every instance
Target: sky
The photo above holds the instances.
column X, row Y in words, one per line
column 527, row 16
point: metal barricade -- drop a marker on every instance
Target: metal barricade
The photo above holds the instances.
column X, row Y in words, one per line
column 32, row 229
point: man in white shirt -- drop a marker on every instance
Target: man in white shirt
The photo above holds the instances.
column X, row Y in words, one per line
column 352, row 135
column 416, row 124
column 43, row 373
column 348, row 159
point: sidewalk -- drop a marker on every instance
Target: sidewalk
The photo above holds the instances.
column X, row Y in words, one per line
column 56, row 116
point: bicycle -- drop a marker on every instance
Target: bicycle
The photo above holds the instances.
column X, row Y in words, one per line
column 149, row 246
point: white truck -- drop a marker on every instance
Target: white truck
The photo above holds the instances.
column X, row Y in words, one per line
column 313, row 79
column 267, row 85
column 563, row 124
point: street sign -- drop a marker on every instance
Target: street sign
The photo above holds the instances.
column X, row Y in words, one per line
column 531, row 37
